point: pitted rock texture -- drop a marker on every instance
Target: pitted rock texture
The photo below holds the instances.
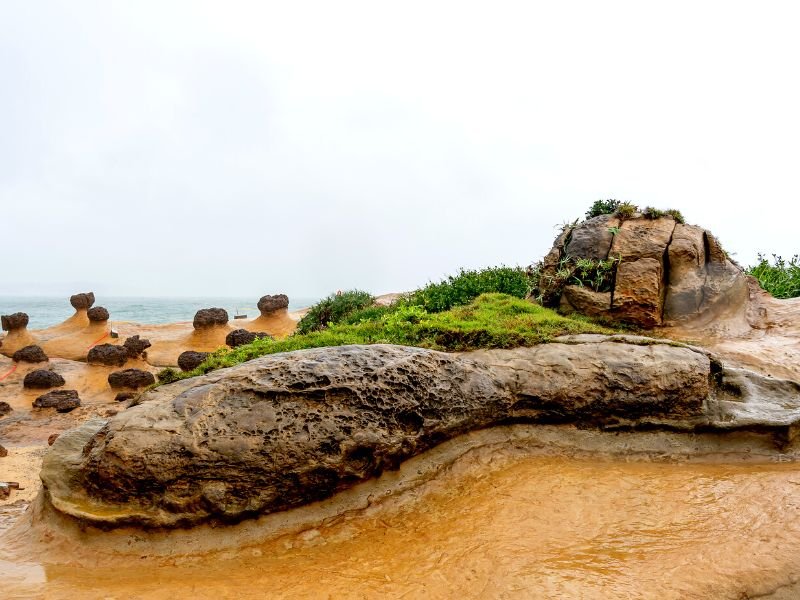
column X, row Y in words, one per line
column 5, row 408
column 30, row 354
column 210, row 317
column 665, row 272
column 83, row 301
column 61, row 400
column 288, row 429
column 269, row 304
column 42, row 379
column 131, row 379
column 190, row 360
column 98, row 314
column 240, row 337
column 14, row 321
column 108, row 355
column 135, row 346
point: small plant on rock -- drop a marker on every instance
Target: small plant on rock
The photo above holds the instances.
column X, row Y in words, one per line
column 603, row 207
column 626, row 210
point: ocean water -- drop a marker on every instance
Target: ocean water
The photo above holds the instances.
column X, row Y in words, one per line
column 47, row 311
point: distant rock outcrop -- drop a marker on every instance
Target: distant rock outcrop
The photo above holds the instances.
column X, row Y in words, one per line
column 83, row 301
column 239, row 337
column 14, row 321
column 269, row 304
column 653, row 271
column 210, row 317
column 108, row 354
column 135, row 346
column 190, row 360
column 131, row 379
column 98, row 314
column 30, row 354
column 42, row 379
column 61, row 400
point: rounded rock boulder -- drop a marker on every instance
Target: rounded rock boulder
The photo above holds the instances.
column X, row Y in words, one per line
column 240, row 337
column 210, row 317
column 61, row 400
column 42, row 379
column 30, row 354
column 83, row 301
column 269, row 304
column 98, row 314
column 190, row 360
column 14, row 321
column 131, row 379
column 108, row 355
column 135, row 346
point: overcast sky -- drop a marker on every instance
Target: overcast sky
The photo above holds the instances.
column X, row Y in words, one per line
column 242, row 148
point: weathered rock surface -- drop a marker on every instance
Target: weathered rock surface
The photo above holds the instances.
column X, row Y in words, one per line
column 61, row 400
column 108, row 354
column 5, row 408
column 239, row 337
column 269, row 304
column 30, row 354
column 135, row 346
column 42, row 379
column 131, row 379
column 210, row 317
column 3, row 453
column 83, row 301
column 14, row 321
column 288, row 429
column 125, row 396
column 665, row 272
column 98, row 314
column 190, row 360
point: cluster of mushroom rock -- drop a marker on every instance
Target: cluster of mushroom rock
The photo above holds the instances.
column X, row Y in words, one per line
column 126, row 381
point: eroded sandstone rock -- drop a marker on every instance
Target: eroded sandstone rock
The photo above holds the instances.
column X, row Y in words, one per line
column 108, row 354
column 288, row 429
column 98, row 314
column 5, row 408
column 131, row 379
column 239, row 337
column 269, row 304
column 135, row 346
column 14, row 321
column 210, row 317
column 61, row 400
column 83, row 301
column 42, row 379
column 30, row 354
column 190, row 360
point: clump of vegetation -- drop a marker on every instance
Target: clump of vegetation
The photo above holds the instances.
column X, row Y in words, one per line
column 626, row 210
column 652, row 213
column 781, row 278
column 490, row 321
column 675, row 214
column 603, row 207
column 461, row 289
column 334, row 309
column 597, row 275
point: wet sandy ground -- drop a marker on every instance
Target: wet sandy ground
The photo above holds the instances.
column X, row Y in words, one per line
column 502, row 521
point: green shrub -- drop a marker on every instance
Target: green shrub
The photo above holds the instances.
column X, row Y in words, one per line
column 603, row 207
column 780, row 278
column 626, row 210
column 652, row 213
column 490, row 321
column 675, row 214
column 334, row 309
column 461, row 289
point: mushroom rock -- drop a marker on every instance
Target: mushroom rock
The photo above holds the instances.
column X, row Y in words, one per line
column 5, row 408
column 61, row 400
column 210, row 317
column 14, row 322
column 83, row 301
column 269, row 304
column 98, row 314
column 239, row 337
column 107, row 354
column 42, row 379
column 190, row 360
column 30, row 354
column 131, row 378
column 135, row 346
column 664, row 272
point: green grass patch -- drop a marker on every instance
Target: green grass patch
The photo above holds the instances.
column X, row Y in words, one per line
column 463, row 288
column 334, row 309
column 492, row 320
column 781, row 278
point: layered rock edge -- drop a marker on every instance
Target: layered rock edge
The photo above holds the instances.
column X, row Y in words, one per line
column 289, row 429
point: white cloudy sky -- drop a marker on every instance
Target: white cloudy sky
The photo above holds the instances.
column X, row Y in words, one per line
column 226, row 148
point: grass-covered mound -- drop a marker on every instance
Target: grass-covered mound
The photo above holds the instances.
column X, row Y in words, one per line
column 492, row 320
column 781, row 278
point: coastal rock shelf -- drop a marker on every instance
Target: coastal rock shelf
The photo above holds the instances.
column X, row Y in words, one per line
column 289, row 429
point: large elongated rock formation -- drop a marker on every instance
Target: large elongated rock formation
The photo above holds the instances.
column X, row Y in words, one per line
column 288, row 429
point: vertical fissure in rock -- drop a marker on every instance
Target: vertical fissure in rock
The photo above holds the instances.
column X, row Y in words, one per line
column 665, row 276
